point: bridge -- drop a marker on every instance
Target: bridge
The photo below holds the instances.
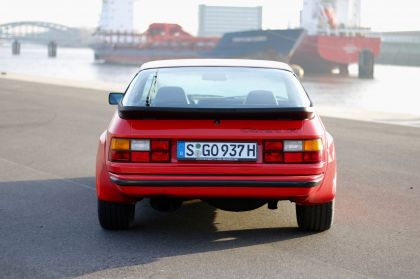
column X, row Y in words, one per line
column 39, row 32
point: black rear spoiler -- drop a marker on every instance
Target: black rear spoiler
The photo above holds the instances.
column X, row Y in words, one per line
column 171, row 113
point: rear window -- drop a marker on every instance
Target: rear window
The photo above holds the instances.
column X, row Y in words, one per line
column 216, row 87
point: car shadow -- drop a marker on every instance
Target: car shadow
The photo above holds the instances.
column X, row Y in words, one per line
column 53, row 231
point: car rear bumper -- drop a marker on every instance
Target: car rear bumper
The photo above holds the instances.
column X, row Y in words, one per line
column 214, row 183
column 286, row 187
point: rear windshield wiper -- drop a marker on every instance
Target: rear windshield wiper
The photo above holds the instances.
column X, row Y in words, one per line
column 152, row 89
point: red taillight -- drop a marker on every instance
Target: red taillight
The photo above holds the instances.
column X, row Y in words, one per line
column 273, row 157
column 312, row 157
column 160, row 150
column 293, row 151
column 140, row 156
column 273, row 146
column 293, row 157
column 139, row 150
column 160, row 145
column 121, row 156
column 160, row 156
column 273, row 151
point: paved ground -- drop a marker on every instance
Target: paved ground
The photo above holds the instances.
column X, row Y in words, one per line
column 48, row 225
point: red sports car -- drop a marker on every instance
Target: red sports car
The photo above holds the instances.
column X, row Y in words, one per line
column 237, row 134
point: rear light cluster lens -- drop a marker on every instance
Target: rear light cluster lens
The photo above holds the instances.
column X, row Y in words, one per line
column 293, row 151
column 139, row 150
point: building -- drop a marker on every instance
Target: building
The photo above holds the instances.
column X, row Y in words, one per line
column 217, row 20
column 400, row 48
column 117, row 16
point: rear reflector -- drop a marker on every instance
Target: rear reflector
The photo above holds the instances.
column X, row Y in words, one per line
column 160, row 156
column 293, row 157
column 140, row 156
column 273, row 157
column 121, row 156
column 312, row 157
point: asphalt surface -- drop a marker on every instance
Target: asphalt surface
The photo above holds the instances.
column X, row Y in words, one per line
column 49, row 227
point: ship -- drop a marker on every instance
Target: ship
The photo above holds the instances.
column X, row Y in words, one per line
column 159, row 41
column 330, row 37
column 334, row 38
column 170, row 41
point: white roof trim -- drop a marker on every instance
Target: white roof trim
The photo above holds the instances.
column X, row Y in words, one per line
column 216, row 63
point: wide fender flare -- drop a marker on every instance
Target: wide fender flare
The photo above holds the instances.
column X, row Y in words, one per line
column 327, row 190
column 105, row 189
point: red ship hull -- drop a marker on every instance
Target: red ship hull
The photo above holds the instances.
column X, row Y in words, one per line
column 323, row 53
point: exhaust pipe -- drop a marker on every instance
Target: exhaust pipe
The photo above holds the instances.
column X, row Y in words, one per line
column 165, row 204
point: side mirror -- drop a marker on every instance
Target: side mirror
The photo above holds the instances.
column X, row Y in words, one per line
column 115, row 98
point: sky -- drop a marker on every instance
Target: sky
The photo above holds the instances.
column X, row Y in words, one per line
column 380, row 15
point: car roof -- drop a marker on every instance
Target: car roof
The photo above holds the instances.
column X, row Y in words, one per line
column 216, row 63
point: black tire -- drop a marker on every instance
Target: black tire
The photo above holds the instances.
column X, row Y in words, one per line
column 315, row 218
column 115, row 216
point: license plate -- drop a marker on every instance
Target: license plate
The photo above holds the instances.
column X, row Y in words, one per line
column 222, row 151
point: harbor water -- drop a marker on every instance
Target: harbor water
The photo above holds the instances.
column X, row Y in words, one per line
column 394, row 89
